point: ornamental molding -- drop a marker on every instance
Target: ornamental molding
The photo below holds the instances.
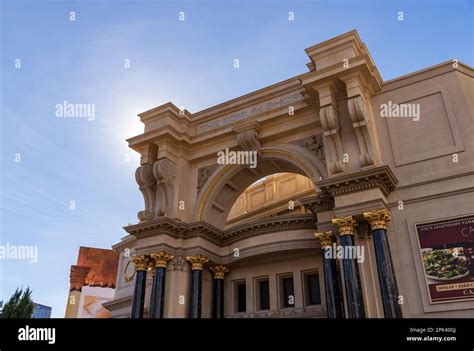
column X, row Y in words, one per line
column 203, row 175
column 320, row 202
column 314, row 144
column 308, row 312
column 127, row 243
column 377, row 177
column 118, row 304
column 181, row 230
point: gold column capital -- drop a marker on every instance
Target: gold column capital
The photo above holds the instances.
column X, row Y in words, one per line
column 161, row 259
column 345, row 225
column 219, row 270
column 325, row 238
column 378, row 219
column 141, row 262
column 197, row 261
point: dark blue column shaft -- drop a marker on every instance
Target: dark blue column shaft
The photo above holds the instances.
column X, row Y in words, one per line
column 218, row 300
column 334, row 300
column 196, row 288
column 355, row 302
column 157, row 300
column 139, row 294
column 388, row 284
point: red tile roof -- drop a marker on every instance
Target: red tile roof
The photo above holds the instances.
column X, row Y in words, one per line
column 95, row 267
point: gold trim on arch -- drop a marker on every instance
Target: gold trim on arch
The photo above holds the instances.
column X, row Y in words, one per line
column 223, row 171
column 209, row 189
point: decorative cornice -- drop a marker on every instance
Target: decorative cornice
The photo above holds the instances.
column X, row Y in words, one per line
column 161, row 259
column 117, row 304
column 181, row 230
column 126, row 243
column 378, row 177
column 325, row 238
column 197, row 261
column 345, row 225
column 219, row 271
column 318, row 203
column 378, row 219
column 269, row 225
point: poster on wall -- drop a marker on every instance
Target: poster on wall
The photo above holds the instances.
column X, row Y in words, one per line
column 93, row 307
column 447, row 251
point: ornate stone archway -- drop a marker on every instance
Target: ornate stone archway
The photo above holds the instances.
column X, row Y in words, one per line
column 323, row 124
column 227, row 182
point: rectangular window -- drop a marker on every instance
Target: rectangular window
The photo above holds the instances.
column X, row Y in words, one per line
column 313, row 295
column 241, row 297
column 264, row 295
column 288, row 292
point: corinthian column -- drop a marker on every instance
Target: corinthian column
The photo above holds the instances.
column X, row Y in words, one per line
column 378, row 221
column 141, row 266
column 334, row 300
column 218, row 298
column 157, row 301
column 197, row 262
column 355, row 303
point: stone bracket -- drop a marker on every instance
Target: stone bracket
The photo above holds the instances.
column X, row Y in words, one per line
column 360, row 122
column 247, row 136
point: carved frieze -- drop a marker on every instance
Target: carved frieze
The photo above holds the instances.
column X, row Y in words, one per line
column 380, row 177
column 319, row 203
column 181, row 230
column 179, row 262
column 313, row 144
column 203, row 175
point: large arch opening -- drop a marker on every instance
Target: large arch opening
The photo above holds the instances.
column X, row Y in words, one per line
column 271, row 196
column 228, row 182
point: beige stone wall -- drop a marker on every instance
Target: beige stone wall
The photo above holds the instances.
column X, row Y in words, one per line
column 332, row 144
column 431, row 186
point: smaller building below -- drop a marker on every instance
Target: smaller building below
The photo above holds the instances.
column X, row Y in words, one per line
column 92, row 283
column 41, row 311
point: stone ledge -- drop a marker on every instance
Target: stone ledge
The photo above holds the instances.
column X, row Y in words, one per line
column 378, row 177
column 181, row 230
column 118, row 304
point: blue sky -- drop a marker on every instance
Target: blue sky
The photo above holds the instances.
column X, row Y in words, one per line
column 187, row 62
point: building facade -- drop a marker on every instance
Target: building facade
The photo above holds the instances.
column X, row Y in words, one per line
column 92, row 283
column 41, row 311
column 378, row 222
